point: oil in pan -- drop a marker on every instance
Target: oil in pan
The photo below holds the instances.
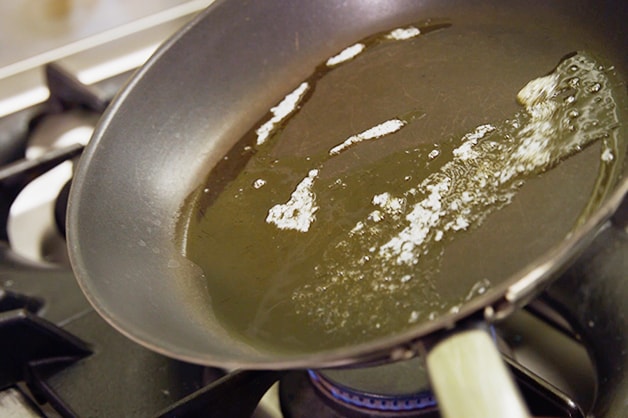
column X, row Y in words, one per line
column 353, row 218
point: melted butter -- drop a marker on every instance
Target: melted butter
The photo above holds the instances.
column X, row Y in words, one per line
column 304, row 251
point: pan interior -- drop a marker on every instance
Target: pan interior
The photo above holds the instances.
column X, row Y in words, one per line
column 384, row 193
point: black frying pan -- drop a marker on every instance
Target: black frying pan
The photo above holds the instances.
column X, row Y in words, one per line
column 215, row 81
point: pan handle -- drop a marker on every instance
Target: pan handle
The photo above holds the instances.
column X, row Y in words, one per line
column 470, row 379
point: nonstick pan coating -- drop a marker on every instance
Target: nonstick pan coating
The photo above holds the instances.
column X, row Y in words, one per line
column 212, row 82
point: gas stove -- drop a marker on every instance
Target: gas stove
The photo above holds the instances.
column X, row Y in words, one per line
column 567, row 349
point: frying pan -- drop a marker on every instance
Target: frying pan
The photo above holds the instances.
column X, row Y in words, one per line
column 216, row 79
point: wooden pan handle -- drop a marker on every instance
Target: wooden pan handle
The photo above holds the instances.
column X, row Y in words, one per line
column 470, row 379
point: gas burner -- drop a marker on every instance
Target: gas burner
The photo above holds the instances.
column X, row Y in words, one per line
column 303, row 394
column 396, row 389
column 32, row 229
column 35, row 226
